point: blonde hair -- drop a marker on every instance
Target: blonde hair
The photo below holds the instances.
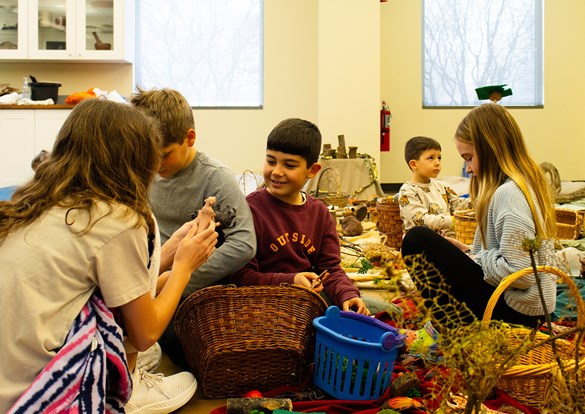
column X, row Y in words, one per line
column 105, row 151
column 501, row 154
column 170, row 108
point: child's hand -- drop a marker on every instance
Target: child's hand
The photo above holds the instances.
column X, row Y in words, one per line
column 305, row 279
column 462, row 246
column 196, row 246
column 357, row 305
column 181, row 232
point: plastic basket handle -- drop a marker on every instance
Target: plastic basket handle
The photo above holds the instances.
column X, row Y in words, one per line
column 508, row 280
column 390, row 339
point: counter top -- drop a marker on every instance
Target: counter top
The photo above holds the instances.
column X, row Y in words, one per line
column 59, row 105
column 55, row 106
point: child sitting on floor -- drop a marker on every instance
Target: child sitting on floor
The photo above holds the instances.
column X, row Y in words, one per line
column 296, row 234
column 425, row 201
column 80, row 226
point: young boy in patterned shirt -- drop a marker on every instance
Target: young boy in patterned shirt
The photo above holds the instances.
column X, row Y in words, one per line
column 425, row 201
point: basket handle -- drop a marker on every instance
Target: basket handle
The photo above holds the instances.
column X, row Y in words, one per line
column 331, row 169
column 508, row 280
column 242, row 180
column 390, row 339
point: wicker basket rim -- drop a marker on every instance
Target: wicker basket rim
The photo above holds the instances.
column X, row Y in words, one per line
column 508, row 280
column 244, row 291
column 524, row 370
column 465, row 215
column 387, row 205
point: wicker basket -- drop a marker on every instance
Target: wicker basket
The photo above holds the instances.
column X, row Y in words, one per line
column 250, row 181
column 237, row 339
column 569, row 224
column 531, row 380
column 331, row 198
column 465, row 225
column 389, row 222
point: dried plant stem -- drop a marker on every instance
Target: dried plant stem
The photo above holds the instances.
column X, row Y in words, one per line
column 531, row 249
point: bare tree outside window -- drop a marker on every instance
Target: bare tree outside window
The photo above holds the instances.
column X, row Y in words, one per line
column 472, row 43
column 209, row 50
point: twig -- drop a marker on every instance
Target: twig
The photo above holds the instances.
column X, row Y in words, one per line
column 351, row 245
column 352, row 254
column 319, row 281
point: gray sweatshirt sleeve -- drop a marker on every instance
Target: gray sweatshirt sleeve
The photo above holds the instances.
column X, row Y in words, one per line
column 239, row 246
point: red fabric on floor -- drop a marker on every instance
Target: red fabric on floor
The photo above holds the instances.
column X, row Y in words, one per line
column 332, row 406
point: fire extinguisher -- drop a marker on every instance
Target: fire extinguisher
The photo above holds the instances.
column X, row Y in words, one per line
column 385, row 116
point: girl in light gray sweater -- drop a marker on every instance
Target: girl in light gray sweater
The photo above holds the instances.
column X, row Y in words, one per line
column 513, row 203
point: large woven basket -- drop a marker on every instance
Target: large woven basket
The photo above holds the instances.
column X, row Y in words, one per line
column 238, row 339
column 389, row 222
column 465, row 225
column 331, row 197
column 531, row 380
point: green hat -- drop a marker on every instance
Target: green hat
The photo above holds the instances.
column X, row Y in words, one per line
column 485, row 91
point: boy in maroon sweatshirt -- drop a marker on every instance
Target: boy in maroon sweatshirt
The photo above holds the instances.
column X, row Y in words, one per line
column 296, row 235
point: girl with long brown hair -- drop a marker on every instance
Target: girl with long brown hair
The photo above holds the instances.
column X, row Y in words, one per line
column 81, row 225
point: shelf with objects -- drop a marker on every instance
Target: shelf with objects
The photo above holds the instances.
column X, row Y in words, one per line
column 64, row 30
column 13, row 40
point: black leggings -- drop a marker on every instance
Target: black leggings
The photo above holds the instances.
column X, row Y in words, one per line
column 462, row 277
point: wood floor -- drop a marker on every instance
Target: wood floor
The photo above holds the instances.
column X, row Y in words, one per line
column 198, row 404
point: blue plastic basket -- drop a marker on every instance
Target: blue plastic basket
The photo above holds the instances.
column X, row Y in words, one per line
column 354, row 355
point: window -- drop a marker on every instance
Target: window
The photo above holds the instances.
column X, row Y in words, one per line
column 209, row 50
column 468, row 44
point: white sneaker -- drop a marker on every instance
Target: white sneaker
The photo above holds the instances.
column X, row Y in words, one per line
column 149, row 360
column 157, row 394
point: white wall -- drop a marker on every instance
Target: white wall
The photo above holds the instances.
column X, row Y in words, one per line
column 349, row 73
column 333, row 61
column 555, row 133
column 321, row 63
column 238, row 137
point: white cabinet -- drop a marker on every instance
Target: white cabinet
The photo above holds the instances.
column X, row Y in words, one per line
column 17, row 143
column 48, row 122
column 63, row 30
column 23, row 134
column 13, row 34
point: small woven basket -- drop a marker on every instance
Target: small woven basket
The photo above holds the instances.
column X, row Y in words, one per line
column 250, row 181
column 389, row 222
column 238, row 339
column 569, row 224
column 532, row 380
column 331, row 198
column 465, row 225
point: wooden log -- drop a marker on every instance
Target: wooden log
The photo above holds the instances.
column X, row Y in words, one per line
column 262, row 405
